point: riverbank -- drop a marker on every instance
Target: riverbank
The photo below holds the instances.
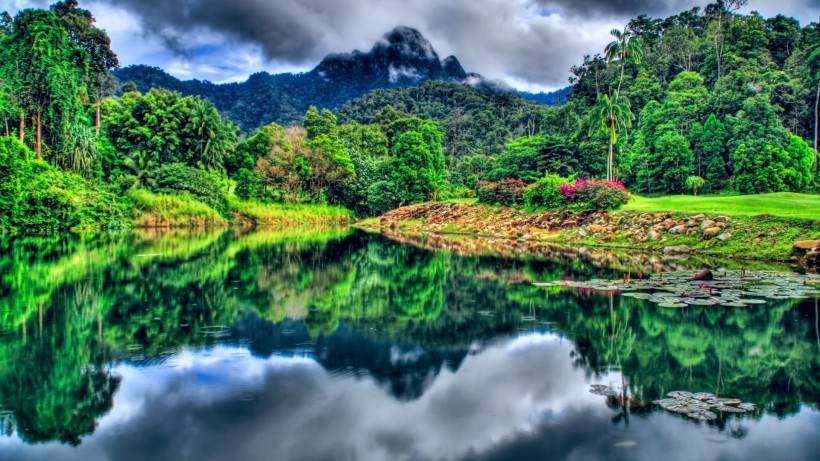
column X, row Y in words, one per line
column 762, row 238
column 185, row 211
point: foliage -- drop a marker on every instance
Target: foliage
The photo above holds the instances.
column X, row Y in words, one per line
column 505, row 192
column 37, row 197
column 168, row 128
column 530, row 157
column 546, row 193
column 206, row 186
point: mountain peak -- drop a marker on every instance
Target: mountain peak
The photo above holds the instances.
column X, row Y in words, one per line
column 404, row 57
column 410, row 42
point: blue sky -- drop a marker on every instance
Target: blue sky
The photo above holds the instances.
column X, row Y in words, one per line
column 529, row 44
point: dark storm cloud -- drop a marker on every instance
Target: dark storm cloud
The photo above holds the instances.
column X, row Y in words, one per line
column 524, row 42
column 618, row 8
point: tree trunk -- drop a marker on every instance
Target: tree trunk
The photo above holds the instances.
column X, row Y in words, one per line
column 816, row 114
column 97, row 117
column 38, row 136
column 21, row 127
column 609, row 169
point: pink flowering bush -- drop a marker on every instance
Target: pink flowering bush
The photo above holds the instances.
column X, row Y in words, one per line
column 595, row 194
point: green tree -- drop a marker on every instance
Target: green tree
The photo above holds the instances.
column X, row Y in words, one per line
column 676, row 161
column 319, row 123
column 711, row 152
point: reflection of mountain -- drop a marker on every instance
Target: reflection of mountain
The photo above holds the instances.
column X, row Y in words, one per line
column 359, row 305
column 406, row 369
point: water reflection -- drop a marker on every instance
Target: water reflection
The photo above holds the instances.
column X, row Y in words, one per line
column 335, row 345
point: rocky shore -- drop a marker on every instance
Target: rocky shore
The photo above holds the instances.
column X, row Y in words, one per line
column 672, row 235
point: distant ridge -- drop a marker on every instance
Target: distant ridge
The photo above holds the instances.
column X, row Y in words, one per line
column 404, row 58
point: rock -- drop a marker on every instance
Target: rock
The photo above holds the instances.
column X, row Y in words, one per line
column 704, row 275
column 710, row 232
column 699, row 216
column 724, row 236
column 722, row 219
column 679, row 229
column 707, row 224
column 676, row 250
column 807, row 245
column 654, row 235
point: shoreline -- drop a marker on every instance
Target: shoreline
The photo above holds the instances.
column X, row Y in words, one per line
column 672, row 235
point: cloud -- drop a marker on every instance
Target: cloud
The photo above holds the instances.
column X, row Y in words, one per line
column 526, row 43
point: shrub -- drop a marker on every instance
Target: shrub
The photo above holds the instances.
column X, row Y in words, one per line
column 595, row 194
column 37, row 197
column 505, row 192
column 208, row 187
column 249, row 184
column 546, row 193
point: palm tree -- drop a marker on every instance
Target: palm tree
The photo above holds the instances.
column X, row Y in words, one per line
column 623, row 49
column 140, row 168
column 613, row 113
column 205, row 121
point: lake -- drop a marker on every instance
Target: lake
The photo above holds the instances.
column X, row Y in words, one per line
column 326, row 345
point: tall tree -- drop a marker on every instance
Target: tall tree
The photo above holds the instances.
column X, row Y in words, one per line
column 46, row 62
column 614, row 114
column 79, row 23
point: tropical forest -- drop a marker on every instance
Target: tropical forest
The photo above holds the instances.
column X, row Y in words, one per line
column 590, row 230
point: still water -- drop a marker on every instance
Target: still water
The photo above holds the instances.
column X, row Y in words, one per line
column 310, row 345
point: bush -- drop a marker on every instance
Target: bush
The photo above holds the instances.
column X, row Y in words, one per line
column 249, row 184
column 37, row 197
column 546, row 193
column 505, row 192
column 595, row 194
column 208, row 187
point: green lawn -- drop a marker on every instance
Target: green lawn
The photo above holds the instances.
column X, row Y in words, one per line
column 783, row 204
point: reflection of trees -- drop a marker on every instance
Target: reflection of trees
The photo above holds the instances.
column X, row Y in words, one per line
column 54, row 378
column 398, row 313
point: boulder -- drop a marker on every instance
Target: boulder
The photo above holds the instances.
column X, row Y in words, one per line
column 679, row 229
column 676, row 250
column 807, row 245
column 653, row 235
column 724, row 236
column 703, row 275
column 707, row 224
column 710, row 232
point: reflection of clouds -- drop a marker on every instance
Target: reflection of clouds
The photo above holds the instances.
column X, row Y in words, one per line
column 517, row 399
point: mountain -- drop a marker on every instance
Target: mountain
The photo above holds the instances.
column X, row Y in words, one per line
column 404, row 58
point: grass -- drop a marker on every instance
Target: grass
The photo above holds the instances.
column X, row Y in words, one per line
column 780, row 204
column 272, row 214
column 172, row 210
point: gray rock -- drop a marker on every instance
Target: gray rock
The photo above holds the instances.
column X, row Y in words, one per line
column 724, row 236
column 678, row 229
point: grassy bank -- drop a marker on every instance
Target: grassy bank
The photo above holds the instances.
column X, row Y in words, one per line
column 152, row 210
column 782, row 204
column 273, row 214
column 172, row 210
